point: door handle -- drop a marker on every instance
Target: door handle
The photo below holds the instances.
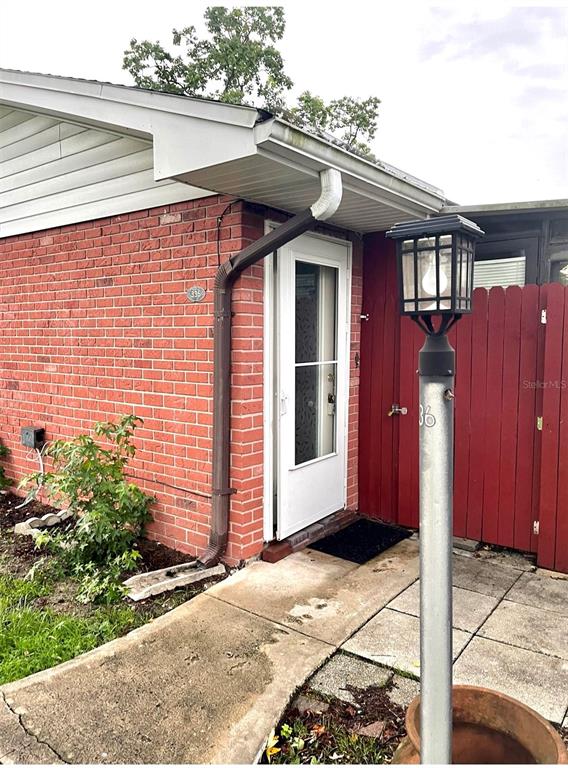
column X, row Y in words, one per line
column 283, row 404
column 397, row 410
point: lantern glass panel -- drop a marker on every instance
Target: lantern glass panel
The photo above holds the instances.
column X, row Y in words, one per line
column 408, row 288
column 463, row 283
column 434, row 273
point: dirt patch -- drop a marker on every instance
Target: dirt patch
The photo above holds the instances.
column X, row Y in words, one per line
column 156, row 556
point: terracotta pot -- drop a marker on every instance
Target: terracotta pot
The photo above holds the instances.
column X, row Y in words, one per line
column 489, row 728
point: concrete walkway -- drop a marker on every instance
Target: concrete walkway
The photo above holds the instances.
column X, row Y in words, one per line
column 206, row 682
column 510, row 631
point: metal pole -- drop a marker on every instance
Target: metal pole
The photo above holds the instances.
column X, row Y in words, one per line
column 436, row 369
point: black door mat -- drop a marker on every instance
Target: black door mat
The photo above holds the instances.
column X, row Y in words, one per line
column 361, row 541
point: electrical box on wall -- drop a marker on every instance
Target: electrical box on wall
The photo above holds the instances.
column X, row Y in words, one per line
column 33, row 437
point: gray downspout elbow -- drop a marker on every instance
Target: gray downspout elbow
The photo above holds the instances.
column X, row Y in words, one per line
column 228, row 272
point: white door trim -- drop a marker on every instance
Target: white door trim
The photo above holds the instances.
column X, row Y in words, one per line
column 269, row 395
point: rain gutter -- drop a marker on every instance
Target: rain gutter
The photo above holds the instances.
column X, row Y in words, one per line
column 227, row 274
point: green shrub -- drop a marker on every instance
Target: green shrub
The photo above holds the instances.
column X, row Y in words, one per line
column 4, row 481
column 110, row 512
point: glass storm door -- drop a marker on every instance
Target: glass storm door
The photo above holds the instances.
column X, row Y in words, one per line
column 312, row 381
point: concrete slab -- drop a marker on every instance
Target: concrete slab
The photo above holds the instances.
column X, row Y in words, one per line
column 527, row 627
column 404, row 690
column 393, row 639
column 539, row 681
column 510, row 559
column 204, row 683
column 552, row 574
column 18, row 746
column 541, row 592
column 318, row 594
column 468, row 545
column 484, row 576
column 344, row 670
column 470, row 609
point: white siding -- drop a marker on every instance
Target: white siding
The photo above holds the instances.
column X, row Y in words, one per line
column 491, row 272
column 54, row 173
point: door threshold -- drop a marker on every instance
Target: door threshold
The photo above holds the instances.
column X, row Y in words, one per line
column 277, row 550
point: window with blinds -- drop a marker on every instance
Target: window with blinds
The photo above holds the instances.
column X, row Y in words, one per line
column 491, row 272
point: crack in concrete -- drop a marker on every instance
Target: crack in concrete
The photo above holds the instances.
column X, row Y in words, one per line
column 28, row 733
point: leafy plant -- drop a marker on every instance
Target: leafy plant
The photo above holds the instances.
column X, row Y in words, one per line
column 238, row 62
column 110, row 513
column 4, row 453
column 104, row 585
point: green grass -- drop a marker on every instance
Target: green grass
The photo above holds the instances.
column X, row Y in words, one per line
column 328, row 743
column 34, row 638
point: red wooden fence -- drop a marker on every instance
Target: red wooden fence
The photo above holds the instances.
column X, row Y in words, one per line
column 553, row 500
column 510, row 478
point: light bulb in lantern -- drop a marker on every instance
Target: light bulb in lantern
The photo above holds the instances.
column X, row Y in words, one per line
column 429, row 281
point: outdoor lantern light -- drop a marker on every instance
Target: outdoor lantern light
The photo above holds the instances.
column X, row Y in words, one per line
column 435, row 268
column 435, row 262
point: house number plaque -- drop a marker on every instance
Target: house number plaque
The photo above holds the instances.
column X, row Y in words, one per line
column 196, row 293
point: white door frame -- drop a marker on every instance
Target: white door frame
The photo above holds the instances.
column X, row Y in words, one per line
column 269, row 361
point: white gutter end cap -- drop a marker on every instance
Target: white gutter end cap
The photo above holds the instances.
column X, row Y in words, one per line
column 331, row 191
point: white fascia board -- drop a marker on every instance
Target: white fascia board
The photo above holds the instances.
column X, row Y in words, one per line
column 195, row 134
column 278, row 140
column 186, row 133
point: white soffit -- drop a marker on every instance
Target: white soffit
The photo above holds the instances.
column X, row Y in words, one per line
column 235, row 150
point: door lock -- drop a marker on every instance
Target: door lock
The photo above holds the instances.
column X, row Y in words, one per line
column 396, row 410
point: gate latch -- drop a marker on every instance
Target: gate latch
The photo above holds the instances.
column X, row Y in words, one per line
column 396, row 410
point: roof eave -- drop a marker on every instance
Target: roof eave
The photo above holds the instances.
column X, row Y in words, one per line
column 284, row 141
column 498, row 209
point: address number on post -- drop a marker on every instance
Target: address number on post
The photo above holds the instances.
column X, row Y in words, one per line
column 425, row 417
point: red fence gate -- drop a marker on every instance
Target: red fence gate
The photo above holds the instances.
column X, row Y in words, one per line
column 511, row 418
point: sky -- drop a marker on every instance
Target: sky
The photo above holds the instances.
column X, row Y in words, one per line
column 474, row 96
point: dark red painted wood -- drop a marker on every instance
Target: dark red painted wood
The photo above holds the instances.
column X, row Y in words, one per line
column 391, row 324
column 539, row 394
column 477, row 413
column 526, row 417
column 378, row 433
column 462, row 429
column 509, row 416
column 371, row 395
column 493, row 414
column 561, row 545
column 408, row 425
column 550, row 429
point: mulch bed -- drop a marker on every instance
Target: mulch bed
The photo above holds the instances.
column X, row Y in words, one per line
column 18, row 554
column 10, row 515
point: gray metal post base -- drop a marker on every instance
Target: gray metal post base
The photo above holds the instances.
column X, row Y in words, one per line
column 436, row 490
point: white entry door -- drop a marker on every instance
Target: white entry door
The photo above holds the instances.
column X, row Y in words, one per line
column 313, row 349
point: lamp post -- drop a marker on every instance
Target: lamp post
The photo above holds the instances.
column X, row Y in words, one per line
column 435, row 268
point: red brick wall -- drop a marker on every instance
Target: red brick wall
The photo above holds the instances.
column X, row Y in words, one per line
column 353, row 428
column 96, row 322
